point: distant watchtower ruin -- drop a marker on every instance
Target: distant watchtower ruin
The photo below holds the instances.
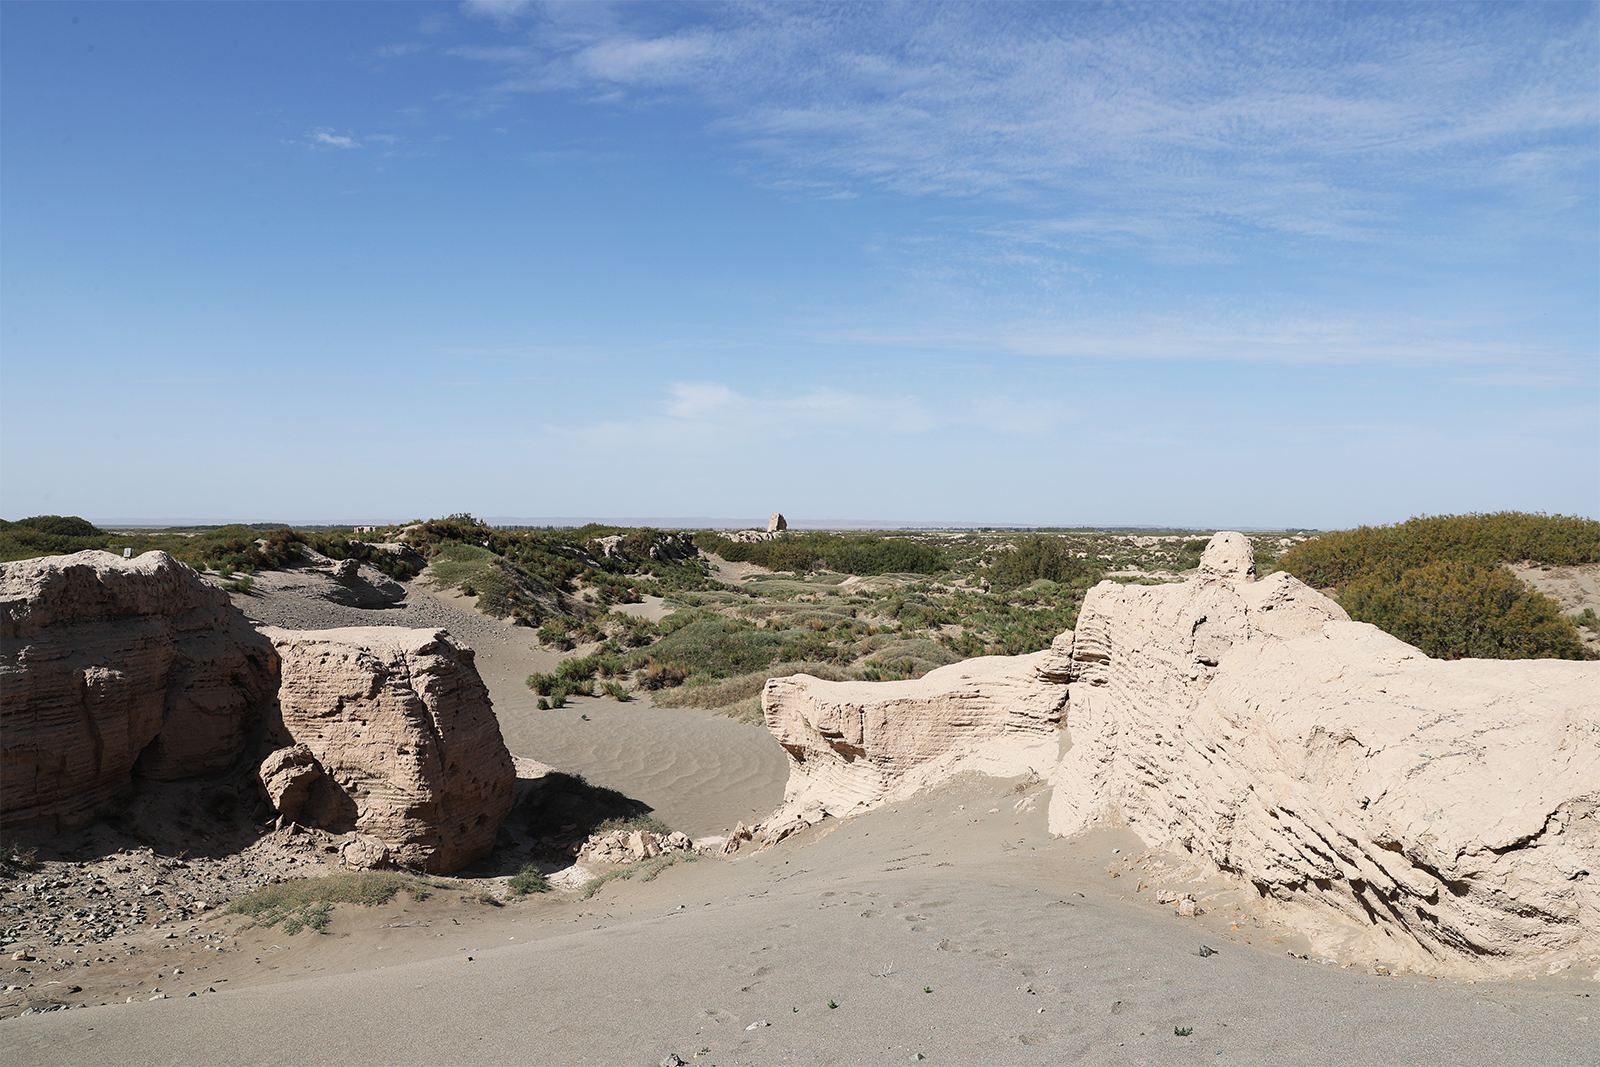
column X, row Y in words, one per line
column 777, row 523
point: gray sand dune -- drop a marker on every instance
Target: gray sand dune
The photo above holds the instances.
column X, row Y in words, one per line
column 1032, row 955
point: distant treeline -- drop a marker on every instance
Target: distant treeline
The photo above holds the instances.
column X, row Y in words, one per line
column 1439, row 582
column 224, row 549
column 848, row 553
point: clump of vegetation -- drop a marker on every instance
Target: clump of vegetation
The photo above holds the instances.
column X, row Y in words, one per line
column 1036, row 558
column 647, row 868
column 528, row 880
column 1454, row 610
column 1334, row 559
column 307, row 903
column 844, row 553
column 1438, row 582
column 652, row 674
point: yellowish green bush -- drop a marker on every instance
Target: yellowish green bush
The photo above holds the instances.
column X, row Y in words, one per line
column 1456, row 609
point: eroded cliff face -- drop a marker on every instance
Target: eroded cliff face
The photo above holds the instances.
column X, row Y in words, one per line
column 856, row 745
column 389, row 733
column 110, row 666
column 1443, row 815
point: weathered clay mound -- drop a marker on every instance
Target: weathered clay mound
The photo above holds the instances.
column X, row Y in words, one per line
column 1405, row 809
column 856, row 745
column 389, row 733
column 111, row 665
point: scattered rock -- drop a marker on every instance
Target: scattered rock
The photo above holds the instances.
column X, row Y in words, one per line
column 630, row 846
column 286, row 776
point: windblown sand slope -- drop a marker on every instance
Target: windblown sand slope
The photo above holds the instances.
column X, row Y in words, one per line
column 1030, row 949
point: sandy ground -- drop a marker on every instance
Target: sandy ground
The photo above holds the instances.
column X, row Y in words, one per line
column 1574, row 588
column 951, row 928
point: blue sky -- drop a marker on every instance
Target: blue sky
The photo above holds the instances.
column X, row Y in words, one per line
column 1292, row 265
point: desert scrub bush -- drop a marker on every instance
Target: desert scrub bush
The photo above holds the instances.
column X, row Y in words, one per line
column 557, row 633
column 653, row 674
column 49, row 535
column 845, row 553
column 740, row 697
column 1333, row 559
column 307, row 900
column 646, row 822
column 1036, row 556
column 528, row 880
column 718, row 646
column 616, row 691
column 1454, row 610
column 240, row 585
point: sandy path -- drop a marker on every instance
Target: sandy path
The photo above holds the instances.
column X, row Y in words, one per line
column 1031, row 953
column 700, row 772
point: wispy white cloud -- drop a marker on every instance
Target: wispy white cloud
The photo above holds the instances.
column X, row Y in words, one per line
column 716, row 407
column 714, row 414
column 1239, row 337
column 1314, row 121
column 324, row 137
column 395, row 51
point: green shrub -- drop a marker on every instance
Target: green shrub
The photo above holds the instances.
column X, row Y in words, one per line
column 60, row 526
column 719, row 646
column 556, row 633
column 1333, row 559
column 740, row 698
column 655, row 675
column 528, row 880
column 1455, row 609
column 846, row 553
column 1034, row 557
